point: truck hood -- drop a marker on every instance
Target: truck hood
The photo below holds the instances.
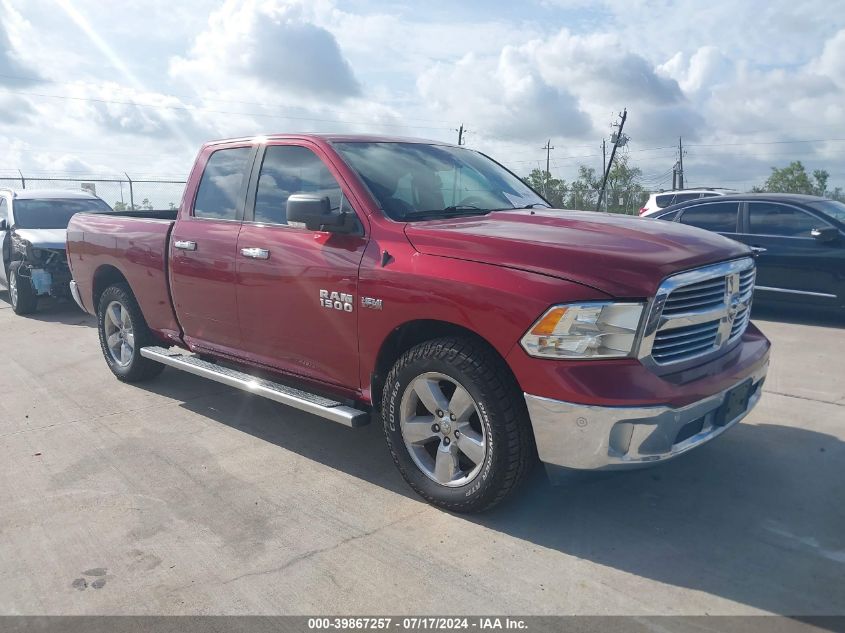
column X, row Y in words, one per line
column 619, row 255
column 44, row 238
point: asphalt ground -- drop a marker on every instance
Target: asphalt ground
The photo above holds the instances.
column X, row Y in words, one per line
column 181, row 496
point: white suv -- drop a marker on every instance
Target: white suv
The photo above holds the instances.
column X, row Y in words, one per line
column 658, row 201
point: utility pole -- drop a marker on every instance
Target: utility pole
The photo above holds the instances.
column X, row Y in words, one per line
column 680, row 162
column 460, row 132
column 604, row 163
column 619, row 139
column 548, row 147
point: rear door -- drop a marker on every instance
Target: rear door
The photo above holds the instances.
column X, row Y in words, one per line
column 298, row 289
column 203, row 247
column 791, row 263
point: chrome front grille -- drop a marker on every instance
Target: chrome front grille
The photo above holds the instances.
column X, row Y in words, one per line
column 684, row 342
column 697, row 314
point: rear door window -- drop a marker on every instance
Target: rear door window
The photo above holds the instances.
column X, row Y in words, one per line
column 720, row 217
column 770, row 218
column 220, row 194
column 683, row 197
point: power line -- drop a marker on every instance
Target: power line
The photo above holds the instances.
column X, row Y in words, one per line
column 262, row 104
column 199, row 109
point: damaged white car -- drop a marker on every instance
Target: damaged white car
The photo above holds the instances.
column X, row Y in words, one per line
column 33, row 226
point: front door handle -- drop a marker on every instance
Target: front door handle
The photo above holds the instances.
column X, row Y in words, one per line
column 256, row 253
column 185, row 245
column 758, row 250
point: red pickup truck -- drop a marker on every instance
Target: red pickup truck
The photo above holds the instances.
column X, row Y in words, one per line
column 425, row 284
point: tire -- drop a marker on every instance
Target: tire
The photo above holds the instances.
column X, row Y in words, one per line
column 490, row 411
column 21, row 293
column 123, row 332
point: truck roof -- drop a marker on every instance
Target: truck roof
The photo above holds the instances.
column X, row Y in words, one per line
column 335, row 138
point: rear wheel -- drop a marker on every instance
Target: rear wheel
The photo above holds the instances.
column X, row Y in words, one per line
column 21, row 293
column 456, row 424
column 123, row 332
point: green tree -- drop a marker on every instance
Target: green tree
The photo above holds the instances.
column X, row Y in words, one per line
column 794, row 179
column 145, row 205
column 553, row 189
column 624, row 192
column 584, row 190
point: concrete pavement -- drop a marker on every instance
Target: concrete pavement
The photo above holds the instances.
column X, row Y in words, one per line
column 180, row 496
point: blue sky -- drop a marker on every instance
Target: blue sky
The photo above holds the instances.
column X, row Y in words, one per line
column 95, row 88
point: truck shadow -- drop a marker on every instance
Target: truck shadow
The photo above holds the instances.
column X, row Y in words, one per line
column 54, row 311
column 757, row 517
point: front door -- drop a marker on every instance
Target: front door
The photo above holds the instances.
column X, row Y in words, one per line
column 792, row 264
column 298, row 289
column 203, row 249
column 5, row 242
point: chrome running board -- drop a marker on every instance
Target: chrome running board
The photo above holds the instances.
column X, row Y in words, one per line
column 291, row 396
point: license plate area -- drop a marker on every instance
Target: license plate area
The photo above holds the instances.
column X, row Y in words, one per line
column 735, row 404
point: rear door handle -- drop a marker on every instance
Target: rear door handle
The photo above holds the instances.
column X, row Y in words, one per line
column 758, row 250
column 185, row 245
column 256, row 253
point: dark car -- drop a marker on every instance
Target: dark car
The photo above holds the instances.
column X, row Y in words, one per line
column 799, row 241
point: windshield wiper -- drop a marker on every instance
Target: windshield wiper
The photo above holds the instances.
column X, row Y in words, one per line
column 531, row 205
column 452, row 211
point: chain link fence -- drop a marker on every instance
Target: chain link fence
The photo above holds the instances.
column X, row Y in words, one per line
column 125, row 193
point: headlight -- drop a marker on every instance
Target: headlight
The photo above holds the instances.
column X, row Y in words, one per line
column 585, row 330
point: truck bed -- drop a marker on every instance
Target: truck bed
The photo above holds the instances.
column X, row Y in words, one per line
column 134, row 244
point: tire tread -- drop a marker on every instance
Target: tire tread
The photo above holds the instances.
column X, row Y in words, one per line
column 476, row 360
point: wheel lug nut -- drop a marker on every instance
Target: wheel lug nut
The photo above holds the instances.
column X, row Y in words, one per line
column 435, row 428
column 457, row 433
column 446, row 441
column 439, row 413
column 452, row 417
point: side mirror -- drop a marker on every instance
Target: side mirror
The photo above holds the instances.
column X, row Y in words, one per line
column 3, row 224
column 826, row 234
column 316, row 213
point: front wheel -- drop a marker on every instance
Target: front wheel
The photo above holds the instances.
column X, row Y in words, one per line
column 123, row 332
column 456, row 424
column 21, row 293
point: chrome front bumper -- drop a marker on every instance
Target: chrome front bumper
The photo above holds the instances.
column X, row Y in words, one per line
column 74, row 292
column 586, row 437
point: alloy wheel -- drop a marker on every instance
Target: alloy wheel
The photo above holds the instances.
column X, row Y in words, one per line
column 442, row 429
column 120, row 337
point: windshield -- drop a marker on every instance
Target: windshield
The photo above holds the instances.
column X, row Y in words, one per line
column 54, row 213
column 833, row 208
column 413, row 181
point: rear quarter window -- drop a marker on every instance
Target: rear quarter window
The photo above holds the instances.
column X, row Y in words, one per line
column 665, row 200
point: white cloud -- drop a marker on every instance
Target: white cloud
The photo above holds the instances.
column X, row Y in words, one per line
column 13, row 70
column 268, row 43
column 505, row 98
column 722, row 73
